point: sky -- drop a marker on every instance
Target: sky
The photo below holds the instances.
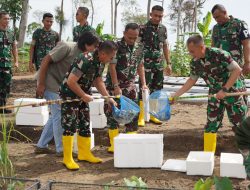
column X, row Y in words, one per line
column 237, row 8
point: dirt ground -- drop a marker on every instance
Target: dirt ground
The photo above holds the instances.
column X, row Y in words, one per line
column 182, row 134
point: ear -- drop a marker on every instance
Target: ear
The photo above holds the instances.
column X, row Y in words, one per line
column 150, row 14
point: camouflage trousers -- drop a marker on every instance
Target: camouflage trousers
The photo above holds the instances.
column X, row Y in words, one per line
column 111, row 122
column 75, row 118
column 242, row 136
column 154, row 79
column 236, row 110
column 5, row 82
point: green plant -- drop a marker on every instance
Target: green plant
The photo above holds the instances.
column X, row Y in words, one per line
column 6, row 166
column 219, row 183
column 204, row 28
column 135, row 182
column 99, row 31
column 180, row 59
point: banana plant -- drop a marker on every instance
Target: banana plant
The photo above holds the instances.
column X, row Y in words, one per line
column 204, row 28
column 99, row 32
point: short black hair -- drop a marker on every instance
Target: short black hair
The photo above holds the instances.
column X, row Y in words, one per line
column 108, row 46
column 218, row 7
column 2, row 13
column 87, row 38
column 195, row 39
column 84, row 10
column 47, row 15
column 157, row 8
column 132, row 26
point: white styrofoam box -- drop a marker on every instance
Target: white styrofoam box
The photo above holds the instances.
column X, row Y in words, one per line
column 175, row 165
column 30, row 109
column 98, row 121
column 231, row 165
column 32, row 119
column 138, row 151
column 200, row 163
column 75, row 147
column 96, row 107
column 145, row 98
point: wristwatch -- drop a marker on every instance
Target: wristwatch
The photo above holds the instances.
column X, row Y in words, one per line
column 224, row 89
column 115, row 85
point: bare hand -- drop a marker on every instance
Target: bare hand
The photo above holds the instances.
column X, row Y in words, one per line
column 171, row 99
column 246, row 68
column 40, row 90
column 145, row 87
column 112, row 102
column 117, row 91
column 87, row 98
column 220, row 95
column 168, row 70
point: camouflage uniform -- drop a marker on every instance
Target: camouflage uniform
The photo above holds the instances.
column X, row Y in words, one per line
column 78, row 30
column 127, row 61
column 44, row 42
column 242, row 136
column 75, row 115
column 153, row 38
column 229, row 37
column 215, row 70
column 7, row 39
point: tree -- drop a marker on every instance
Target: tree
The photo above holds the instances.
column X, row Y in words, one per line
column 184, row 13
column 14, row 8
column 132, row 12
column 115, row 15
column 60, row 19
column 23, row 23
column 32, row 27
column 148, row 9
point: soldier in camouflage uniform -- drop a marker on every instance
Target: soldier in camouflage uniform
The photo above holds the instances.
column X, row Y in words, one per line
column 43, row 40
column 121, row 76
column 222, row 74
column 7, row 47
column 231, row 34
column 81, row 17
column 153, row 35
column 85, row 71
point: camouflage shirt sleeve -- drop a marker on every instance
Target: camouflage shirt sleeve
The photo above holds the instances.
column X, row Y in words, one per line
column 227, row 60
column 193, row 71
column 244, row 32
column 35, row 35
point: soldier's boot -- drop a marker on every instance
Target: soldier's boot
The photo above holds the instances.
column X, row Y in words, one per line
column 141, row 122
column 210, row 142
column 131, row 132
column 67, row 153
column 155, row 120
column 84, row 152
column 112, row 134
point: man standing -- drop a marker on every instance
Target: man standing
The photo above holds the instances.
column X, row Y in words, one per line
column 7, row 47
column 221, row 73
column 232, row 35
column 121, row 76
column 81, row 17
column 86, row 71
column 43, row 40
column 53, row 69
column 154, row 38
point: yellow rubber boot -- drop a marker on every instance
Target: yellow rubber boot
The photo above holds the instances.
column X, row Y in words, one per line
column 84, row 152
column 141, row 122
column 155, row 120
column 210, row 142
column 112, row 134
column 67, row 153
column 133, row 132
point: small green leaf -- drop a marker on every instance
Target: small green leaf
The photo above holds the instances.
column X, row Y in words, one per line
column 223, row 183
